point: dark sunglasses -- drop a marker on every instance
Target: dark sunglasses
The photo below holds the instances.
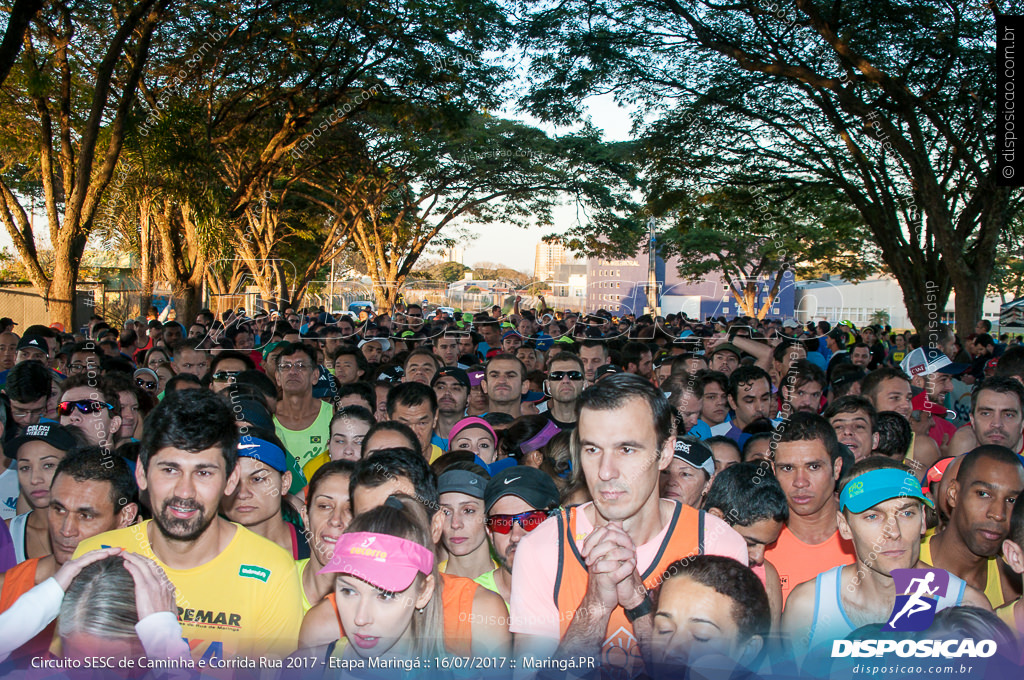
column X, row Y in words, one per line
column 558, row 375
column 225, row 376
column 502, row 524
column 85, row 406
column 145, row 384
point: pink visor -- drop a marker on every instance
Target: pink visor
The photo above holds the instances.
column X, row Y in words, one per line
column 385, row 562
column 472, row 421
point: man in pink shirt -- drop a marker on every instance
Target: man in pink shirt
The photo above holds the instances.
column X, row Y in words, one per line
column 580, row 581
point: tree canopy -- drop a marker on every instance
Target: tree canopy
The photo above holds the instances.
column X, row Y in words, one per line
column 890, row 102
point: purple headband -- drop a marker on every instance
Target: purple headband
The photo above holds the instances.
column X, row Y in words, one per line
column 540, row 439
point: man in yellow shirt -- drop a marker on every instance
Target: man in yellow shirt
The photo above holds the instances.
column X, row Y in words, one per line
column 238, row 593
column 988, row 484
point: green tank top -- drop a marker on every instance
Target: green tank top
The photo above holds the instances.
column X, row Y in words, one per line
column 487, row 581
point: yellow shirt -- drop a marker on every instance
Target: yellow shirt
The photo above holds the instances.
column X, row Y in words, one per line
column 300, row 565
column 993, row 585
column 246, row 601
column 1008, row 615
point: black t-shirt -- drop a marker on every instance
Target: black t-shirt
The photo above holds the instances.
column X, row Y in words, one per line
column 561, row 425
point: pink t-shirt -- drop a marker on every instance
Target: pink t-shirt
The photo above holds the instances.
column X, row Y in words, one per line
column 533, row 607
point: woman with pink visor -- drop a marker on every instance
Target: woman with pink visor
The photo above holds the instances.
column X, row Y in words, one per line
column 387, row 589
column 477, row 436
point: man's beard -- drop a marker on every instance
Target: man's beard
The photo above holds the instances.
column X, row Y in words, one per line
column 183, row 529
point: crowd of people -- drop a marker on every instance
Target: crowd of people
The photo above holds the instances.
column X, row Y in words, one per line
column 537, row 490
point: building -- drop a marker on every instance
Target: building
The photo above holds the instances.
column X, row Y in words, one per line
column 570, row 280
column 455, row 254
column 548, row 258
column 836, row 299
column 620, row 286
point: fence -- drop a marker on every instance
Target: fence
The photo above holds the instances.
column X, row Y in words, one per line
column 23, row 303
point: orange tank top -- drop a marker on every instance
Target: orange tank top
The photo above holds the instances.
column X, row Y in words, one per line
column 18, row 580
column 797, row 561
column 620, row 652
column 457, row 595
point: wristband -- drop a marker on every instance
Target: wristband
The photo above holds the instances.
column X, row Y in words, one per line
column 642, row 609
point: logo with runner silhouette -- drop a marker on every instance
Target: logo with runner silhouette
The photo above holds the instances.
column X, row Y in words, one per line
column 917, row 594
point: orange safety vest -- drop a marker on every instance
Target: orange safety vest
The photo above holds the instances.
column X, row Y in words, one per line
column 619, row 651
column 457, row 595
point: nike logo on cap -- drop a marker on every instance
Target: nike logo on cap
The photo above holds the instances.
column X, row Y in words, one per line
column 509, row 481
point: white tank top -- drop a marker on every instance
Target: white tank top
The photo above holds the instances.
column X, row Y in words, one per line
column 830, row 621
column 18, row 525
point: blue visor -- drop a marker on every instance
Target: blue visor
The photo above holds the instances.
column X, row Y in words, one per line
column 877, row 486
column 263, row 451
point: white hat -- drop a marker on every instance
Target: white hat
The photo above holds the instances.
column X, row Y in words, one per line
column 385, row 343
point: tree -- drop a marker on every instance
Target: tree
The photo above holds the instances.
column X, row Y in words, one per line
column 1008, row 274
column 416, row 175
column 279, row 96
column 879, row 317
column 449, row 272
column 888, row 101
column 496, row 271
column 768, row 233
column 64, row 110
column 21, row 13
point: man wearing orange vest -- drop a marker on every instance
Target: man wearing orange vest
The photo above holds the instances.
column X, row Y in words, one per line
column 581, row 579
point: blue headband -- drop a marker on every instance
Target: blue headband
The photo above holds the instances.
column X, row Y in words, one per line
column 264, row 451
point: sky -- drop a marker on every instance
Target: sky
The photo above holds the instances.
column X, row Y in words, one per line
column 517, row 249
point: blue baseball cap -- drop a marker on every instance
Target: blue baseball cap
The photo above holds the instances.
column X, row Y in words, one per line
column 264, row 451
column 871, row 488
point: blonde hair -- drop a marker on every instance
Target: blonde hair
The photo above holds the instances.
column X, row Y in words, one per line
column 411, row 522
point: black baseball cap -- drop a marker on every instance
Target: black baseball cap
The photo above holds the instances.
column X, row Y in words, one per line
column 606, row 370
column 452, row 372
column 525, row 482
column 253, row 411
column 53, row 434
column 34, row 341
column 695, row 453
column 392, row 374
column 725, row 347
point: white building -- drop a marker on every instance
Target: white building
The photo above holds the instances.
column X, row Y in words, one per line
column 549, row 257
column 456, row 254
column 835, row 299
